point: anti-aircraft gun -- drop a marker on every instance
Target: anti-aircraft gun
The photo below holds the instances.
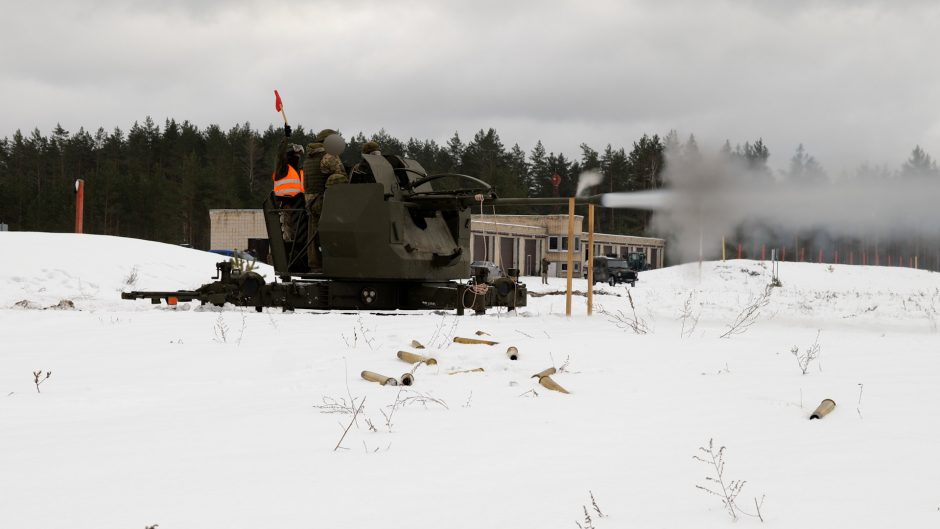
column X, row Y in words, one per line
column 393, row 238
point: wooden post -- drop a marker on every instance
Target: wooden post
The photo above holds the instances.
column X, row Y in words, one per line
column 590, row 273
column 722, row 249
column 79, row 206
column 570, row 255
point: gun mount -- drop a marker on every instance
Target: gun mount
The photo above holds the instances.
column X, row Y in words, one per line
column 392, row 238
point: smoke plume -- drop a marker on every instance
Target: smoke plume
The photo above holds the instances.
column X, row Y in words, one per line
column 711, row 198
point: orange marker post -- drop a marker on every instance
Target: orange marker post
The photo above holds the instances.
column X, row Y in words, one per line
column 570, row 255
column 590, row 270
column 79, row 206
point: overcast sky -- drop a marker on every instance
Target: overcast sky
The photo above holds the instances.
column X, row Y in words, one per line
column 854, row 81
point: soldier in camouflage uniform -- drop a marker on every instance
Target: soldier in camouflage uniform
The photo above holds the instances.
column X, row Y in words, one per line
column 361, row 172
column 326, row 149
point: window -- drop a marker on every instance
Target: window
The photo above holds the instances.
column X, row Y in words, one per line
column 577, row 244
column 560, row 244
column 564, row 267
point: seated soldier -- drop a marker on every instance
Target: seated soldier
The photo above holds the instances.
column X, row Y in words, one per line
column 361, row 172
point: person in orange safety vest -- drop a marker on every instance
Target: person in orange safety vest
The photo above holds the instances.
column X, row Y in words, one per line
column 288, row 179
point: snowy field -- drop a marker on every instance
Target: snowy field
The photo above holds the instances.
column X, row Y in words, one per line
column 197, row 417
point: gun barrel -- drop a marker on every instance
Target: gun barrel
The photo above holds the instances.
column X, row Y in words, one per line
column 550, row 201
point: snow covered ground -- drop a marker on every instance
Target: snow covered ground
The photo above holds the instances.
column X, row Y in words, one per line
column 197, row 417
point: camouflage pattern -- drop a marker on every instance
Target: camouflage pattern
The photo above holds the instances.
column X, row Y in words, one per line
column 329, row 171
column 337, row 178
column 332, row 167
column 314, row 179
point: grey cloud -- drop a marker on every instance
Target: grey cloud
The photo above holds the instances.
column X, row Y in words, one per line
column 847, row 79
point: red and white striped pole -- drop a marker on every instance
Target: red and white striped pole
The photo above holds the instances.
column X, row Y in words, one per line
column 79, row 205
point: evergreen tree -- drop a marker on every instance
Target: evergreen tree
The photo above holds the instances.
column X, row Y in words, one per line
column 804, row 168
column 455, row 150
column 919, row 165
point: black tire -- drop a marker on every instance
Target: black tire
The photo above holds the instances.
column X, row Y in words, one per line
column 612, row 281
column 632, row 283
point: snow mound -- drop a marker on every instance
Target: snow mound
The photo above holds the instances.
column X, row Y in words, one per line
column 85, row 272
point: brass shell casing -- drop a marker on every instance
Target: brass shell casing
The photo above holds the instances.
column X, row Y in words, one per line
column 548, row 383
column 473, row 341
column 826, row 406
column 381, row 379
column 413, row 358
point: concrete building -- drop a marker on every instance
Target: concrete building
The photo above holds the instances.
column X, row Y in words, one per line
column 522, row 241
column 230, row 229
column 513, row 241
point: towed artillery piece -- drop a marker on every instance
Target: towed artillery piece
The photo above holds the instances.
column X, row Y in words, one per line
column 392, row 238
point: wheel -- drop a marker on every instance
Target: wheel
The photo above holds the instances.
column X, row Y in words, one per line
column 612, row 282
column 632, row 283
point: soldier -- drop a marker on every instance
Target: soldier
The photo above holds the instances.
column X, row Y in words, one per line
column 361, row 172
column 544, row 270
column 288, row 179
column 371, row 147
column 327, row 170
column 315, row 151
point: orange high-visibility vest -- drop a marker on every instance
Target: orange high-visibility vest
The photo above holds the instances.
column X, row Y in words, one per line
column 290, row 185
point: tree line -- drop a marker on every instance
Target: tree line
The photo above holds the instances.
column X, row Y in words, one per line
column 159, row 183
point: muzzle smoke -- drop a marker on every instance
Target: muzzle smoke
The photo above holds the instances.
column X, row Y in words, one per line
column 714, row 198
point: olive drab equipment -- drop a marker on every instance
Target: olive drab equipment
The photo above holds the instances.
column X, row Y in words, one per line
column 394, row 238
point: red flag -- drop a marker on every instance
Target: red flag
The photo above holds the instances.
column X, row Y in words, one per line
column 277, row 101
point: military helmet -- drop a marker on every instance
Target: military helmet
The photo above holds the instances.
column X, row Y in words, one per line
column 323, row 134
column 313, row 148
column 370, row 147
column 336, row 178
